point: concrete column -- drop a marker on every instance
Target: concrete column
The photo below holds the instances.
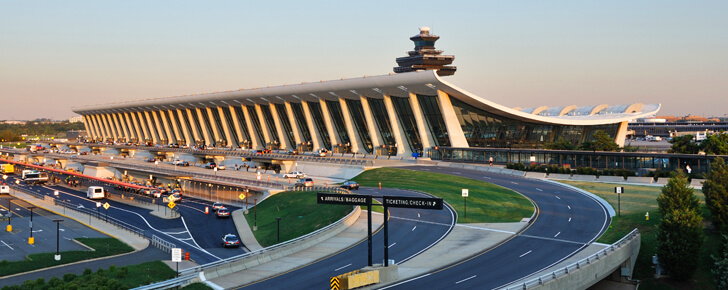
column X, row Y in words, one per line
column 172, row 118
column 170, row 137
column 123, row 125
column 317, row 141
column 297, row 135
column 226, row 128
column 161, row 129
column 106, row 127
column 119, row 125
column 425, row 134
column 189, row 138
column 454, row 130
column 263, row 125
column 193, row 125
column 357, row 144
column 255, row 142
column 89, row 128
column 114, row 126
column 213, row 125
column 403, row 145
column 139, row 122
column 374, row 133
column 236, row 124
column 333, row 136
column 203, row 125
column 621, row 133
column 153, row 132
column 134, row 130
column 282, row 136
column 100, row 127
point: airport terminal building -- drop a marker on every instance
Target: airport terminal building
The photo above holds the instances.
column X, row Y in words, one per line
column 408, row 111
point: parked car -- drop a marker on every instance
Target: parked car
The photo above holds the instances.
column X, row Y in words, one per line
column 294, row 174
column 292, row 152
column 150, row 160
column 223, row 212
column 216, row 206
column 175, row 197
column 209, row 165
column 322, row 152
column 230, row 240
column 221, row 167
column 350, row 185
column 181, row 162
column 304, row 182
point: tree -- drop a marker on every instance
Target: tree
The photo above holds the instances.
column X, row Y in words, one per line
column 560, row 144
column 716, row 144
column 715, row 189
column 684, row 145
column 679, row 234
column 679, row 239
column 720, row 266
column 600, row 142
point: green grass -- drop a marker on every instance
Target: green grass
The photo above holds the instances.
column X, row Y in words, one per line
column 196, row 286
column 299, row 214
column 487, row 203
column 147, row 273
column 103, row 246
column 635, row 203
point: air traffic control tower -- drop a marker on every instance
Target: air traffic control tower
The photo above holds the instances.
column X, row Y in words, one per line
column 425, row 56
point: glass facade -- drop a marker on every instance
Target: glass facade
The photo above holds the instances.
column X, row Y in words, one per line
column 153, row 128
column 179, row 127
column 338, row 119
column 256, row 125
column 208, row 126
column 357, row 115
column 381, row 118
column 409, row 123
column 243, row 124
column 231, row 127
column 196, row 118
column 281, row 110
column 171, row 127
column 318, row 120
column 433, row 117
column 218, row 124
column 271, row 124
column 135, row 117
column 301, row 121
column 188, row 124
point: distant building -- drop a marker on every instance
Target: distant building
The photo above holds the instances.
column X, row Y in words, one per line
column 77, row 119
column 76, row 134
column 14, row 122
column 675, row 128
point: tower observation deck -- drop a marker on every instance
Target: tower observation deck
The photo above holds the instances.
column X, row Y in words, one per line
column 425, row 56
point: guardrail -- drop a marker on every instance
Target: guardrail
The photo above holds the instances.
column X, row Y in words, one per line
column 162, row 244
column 114, row 221
column 540, row 280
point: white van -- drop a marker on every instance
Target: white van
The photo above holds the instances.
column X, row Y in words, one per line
column 4, row 189
column 95, row 192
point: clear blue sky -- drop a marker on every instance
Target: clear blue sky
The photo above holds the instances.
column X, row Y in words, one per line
column 55, row 55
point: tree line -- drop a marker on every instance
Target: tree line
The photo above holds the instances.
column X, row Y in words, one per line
column 14, row 132
column 716, row 144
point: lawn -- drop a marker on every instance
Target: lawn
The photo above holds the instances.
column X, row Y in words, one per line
column 487, row 203
column 103, row 247
column 635, row 203
column 299, row 213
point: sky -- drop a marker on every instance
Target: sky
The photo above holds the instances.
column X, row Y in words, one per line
column 56, row 55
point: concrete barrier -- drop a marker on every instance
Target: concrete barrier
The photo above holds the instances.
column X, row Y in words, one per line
column 697, row 182
column 644, row 180
column 590, row 178
column 267, row 254
column 559, row 176
column 535, row 174
column 613, row 179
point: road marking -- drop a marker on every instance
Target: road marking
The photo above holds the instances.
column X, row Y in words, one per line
column 538, row 189
column 38, row 231
column 413, row 229
column 392, row 245
column 569, row 219
column 486, row 177
column 557, row 234
column 418, row 214
column 557, row 197
column 485, row 229
column 514, row 182
column 457, row 172
column 526, row 253
column 466, row 279
column 7, row 245
column 569, row 206
column 342, row 267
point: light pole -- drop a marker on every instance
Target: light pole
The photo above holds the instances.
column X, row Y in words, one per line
column 10, row 214
column 278, row 221
column 58, row 239
column 255, row 214
column 31, row 240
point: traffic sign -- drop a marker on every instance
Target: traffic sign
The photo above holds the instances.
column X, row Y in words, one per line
column 351, row 199
column 98, row 204
column 335, row 283
column 412, row 202
column 176, row 254
column 619, row 189
column 107, row 206
column 55, row 193
column 465, row 192
column 171, row 204
column 241, row 196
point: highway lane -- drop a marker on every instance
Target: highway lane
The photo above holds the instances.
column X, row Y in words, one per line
column 195, row 232
column 411, row 231
column 567, row 222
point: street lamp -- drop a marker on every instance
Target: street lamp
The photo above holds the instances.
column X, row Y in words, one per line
column 10, row 214
column 58, row 239
column 31, row 240
column 278, row 221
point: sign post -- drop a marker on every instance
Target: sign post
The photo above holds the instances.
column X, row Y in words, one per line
column 404, row 202
column 349, row 199
column 106, row 207
column 177, row 257
column 465, row 199
column 619, row 190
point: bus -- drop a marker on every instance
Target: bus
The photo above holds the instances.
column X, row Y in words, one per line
column 35, row 177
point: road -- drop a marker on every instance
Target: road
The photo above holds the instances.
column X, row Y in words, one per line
column 567, row 222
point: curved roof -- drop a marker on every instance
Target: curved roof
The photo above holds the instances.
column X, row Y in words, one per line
column 400, row 85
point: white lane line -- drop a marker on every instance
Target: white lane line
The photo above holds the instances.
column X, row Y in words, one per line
column 538, row 189
column 337, row 269
column 466, row 279
column 457, row 172
column 569, row 206
column 392, row 245
column 514, row 182
column 569, row 219
column 557, row 197
column 485, row 229
column 557, row 234
column 526, row 253
column 413, row 229
column 486, row 177
column 7, row 245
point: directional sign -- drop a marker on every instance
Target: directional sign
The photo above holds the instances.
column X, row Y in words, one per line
column 619, row 189
column 98, row 204
column 176, row 254
column 107, row 206
column 171, row 204
column 351, row 199
column 465, row 192
column 335, row 283
column 412, row 202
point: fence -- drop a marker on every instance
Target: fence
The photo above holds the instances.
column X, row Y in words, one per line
column 540, row 280
column 162, row 244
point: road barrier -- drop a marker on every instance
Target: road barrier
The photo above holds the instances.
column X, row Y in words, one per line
column 162, row 244
column 574, row 267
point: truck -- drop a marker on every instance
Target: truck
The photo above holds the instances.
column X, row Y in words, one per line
column 95, row 192
column 7, row 168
